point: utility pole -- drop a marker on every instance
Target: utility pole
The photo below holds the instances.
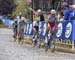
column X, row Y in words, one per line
column 53, row 2
column 32, row 8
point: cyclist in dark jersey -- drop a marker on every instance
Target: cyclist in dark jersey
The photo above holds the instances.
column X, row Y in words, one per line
column 15, row 26
column 41, row 16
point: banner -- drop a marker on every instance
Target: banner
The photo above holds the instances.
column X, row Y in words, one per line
column 28, row 28
column 65, row 30
column 70, row 30
column 7, row 21
column 31, row 28
column 59, row 30
column 42, row 29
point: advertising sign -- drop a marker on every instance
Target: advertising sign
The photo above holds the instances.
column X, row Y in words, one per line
column 30, row 29
column 59, row 30
column 68, row 30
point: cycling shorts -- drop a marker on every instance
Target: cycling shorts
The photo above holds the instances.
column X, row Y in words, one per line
column 37, row 28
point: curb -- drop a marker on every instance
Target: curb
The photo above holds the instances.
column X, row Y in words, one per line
column 58, row 49
column 65, row 50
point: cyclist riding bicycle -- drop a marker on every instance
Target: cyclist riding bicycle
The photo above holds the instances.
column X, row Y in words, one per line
column 35, row 29
column 50, row 28
column 15, row 26
column 21, row 29
column 52, row 20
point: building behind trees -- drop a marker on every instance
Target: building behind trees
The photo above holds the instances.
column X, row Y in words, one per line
column 47, row 5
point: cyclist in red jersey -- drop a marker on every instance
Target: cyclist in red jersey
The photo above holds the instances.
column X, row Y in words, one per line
column 52, row 19
column 50, row 29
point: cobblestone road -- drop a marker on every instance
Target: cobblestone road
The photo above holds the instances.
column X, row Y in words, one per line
column 10, row 50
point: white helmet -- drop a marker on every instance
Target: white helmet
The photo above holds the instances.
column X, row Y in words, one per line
column 53, row 11
column 22, row 18
column 39, row 10
column 73, row 6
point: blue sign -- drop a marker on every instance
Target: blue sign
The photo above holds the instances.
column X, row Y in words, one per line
column 7, row 21
column 26, row 29
column 42, row 29
column 59, row 30
column 65, row 30
column 70, row 30
column 31, row 28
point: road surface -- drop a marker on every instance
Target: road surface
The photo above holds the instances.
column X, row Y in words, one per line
column 10, row 50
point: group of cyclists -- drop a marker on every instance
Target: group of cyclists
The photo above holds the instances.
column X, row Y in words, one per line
column 53, row 18
column 50, row 24
column 68, row 14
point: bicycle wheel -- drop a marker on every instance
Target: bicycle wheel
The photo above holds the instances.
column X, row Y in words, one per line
column 52, row 46
column 38, row 43
column 46, row 47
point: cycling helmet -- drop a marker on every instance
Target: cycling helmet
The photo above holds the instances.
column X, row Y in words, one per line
column 53, row 11
column 39, row 10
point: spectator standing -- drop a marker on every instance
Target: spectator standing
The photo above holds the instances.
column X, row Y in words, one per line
column 72, row 15
column 67, row 11
column 61, row 16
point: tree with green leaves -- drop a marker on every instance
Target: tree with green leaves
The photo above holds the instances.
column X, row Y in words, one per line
column 21, row 7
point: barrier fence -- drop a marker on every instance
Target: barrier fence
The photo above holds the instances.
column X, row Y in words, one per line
column 66, row 30
column 64, row 35
column 7, row 21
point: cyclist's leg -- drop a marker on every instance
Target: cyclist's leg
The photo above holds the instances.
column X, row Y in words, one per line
column 14, row 35
column 37, row 35
column 22, row 36
column 49, row 37
column 19, row 35
column 52, row 41
column 34, row 34
column 14, row 32
column 38, row 41
column 46, row 40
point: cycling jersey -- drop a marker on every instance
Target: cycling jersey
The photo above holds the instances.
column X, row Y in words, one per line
column 36, row 25
column 51, row 21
